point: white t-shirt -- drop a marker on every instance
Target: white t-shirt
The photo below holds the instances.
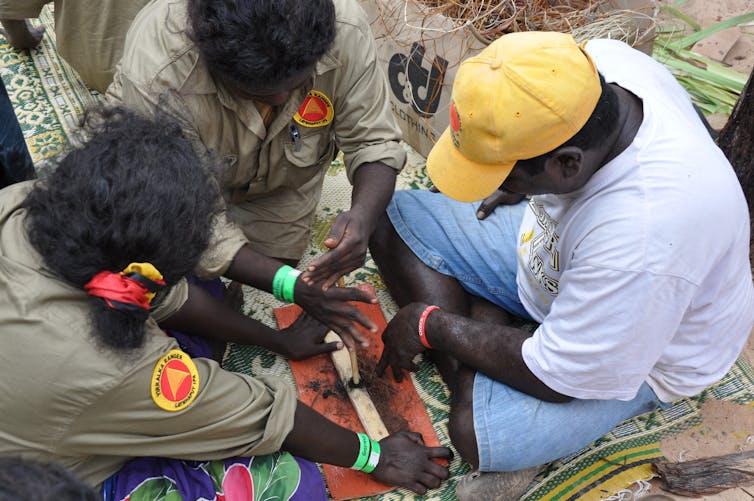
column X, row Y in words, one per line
column 643, row 274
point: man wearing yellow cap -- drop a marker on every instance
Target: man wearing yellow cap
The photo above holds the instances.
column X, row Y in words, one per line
column 631, row 255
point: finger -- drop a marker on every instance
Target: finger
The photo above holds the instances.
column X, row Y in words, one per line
column 340, row 252
column 429, row 480
column 358, row 337
column 343, row 269
column 337, row 274
column 327, row 347
column 439, row 453
column 337, row 231
column 416, row 487
column 339, row 262
column 351, row 336
column 438, row 469
column 347, row 340
column 381, row 365
column 352, row 294
column 397, row 372
column 362, row 319
column 347, row 317
column 322, row 261
column 333, row 279
column 415, row 437
column 307, row 321
column 489, row 204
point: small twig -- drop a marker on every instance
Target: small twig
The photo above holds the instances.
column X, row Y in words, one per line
column 356, row 378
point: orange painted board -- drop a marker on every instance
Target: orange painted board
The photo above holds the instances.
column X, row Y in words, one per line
column 317, row 384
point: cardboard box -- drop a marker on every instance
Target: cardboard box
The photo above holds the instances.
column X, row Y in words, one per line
column 421, row 51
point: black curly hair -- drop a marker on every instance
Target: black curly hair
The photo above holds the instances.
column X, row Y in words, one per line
column 136, row 191
column 31, row 479
column 255, row 43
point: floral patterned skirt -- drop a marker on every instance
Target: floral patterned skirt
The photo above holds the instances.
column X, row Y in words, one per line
column 280, row 476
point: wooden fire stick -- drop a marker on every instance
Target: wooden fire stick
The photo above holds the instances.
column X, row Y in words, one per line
column 364, row 406
column 355, row 368
column 354, row 361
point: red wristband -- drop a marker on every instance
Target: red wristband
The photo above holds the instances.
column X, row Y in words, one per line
column 423, row 322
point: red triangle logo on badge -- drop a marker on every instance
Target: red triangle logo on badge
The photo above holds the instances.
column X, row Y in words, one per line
column 313, row 109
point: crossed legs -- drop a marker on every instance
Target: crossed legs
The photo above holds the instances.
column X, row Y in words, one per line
column 410, row 280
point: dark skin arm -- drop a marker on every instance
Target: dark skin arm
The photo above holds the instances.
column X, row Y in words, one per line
column 373, row 186
column 501, row 196
column 329, row 307
column 21, row 34
column 204, row 315
column 404, row 460
column 492, row 349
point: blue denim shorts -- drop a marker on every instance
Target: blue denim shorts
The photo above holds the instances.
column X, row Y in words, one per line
column 447, row 236
column 513, row 430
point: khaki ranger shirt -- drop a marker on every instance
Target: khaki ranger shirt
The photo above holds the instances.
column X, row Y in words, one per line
column 272, row 178
column 63, row 398
column 89, row 34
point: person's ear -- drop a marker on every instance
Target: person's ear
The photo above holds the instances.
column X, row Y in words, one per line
column 568, row 161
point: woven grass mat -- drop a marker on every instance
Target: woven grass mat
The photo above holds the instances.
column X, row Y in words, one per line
column 48, row 98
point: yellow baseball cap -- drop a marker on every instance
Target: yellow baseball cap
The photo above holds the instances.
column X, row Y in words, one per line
column 524, row 95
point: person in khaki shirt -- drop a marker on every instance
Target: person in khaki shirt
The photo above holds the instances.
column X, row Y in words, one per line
column 275, row 88
column 89, row 34
column 88, row 377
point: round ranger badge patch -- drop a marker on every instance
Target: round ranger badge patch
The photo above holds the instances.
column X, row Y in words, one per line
column 175, row 381
column 316, row 110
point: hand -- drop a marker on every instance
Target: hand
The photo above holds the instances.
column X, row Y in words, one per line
column 303, row 339
column 500, row 197
column 332, row 308
column 347, row 241
column 405, row 461
column 488, row 205
column 401, row 339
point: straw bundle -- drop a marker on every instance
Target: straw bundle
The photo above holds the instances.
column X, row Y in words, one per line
column 489, row 19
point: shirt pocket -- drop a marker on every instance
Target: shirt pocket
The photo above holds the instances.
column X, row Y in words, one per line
column 309, row 147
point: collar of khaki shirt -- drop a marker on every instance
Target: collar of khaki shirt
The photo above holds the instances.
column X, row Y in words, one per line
column 200, row 81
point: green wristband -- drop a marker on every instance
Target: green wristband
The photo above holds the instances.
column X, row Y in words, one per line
column 289, row 284
column 374, row 457
column 364, row 450
column 277, row 281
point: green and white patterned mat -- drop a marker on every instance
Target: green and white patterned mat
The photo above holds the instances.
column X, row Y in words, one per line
column 49, row 97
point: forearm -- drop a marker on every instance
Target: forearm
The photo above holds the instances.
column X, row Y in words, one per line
column 205, row 316
column 493, row 350
column 252, row 268
column 373, row 187
column 316, row 438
